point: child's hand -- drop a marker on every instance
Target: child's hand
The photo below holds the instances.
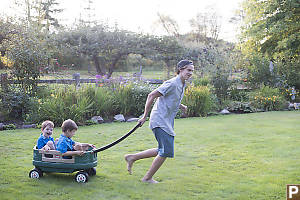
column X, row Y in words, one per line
column 46, row 148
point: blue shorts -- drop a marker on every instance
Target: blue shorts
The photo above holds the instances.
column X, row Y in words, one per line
column 165, row 143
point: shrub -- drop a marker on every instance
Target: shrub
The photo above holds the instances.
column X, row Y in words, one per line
column 104, row 103
column 9, row 127
column 201, row 81
column 238, row 95
column 139, row 96
column 240, row 107
column 267, row 99
column 62, row 104
column 198, row 100
column 15, row 103
column 221, row 84
column 123, row 97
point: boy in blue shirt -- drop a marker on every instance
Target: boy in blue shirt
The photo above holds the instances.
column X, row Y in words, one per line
column 66, row 145
column 45, row 141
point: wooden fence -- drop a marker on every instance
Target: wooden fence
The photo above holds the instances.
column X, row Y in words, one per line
column 76, row 80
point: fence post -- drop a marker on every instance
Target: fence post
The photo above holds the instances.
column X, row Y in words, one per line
column 76, row 76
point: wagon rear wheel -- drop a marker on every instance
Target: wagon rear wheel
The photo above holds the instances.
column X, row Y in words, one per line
column 91, row 171
column 35, row 173
column 82, row 177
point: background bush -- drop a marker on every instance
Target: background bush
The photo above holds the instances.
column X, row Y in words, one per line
column 198, row 100
column 267, row 99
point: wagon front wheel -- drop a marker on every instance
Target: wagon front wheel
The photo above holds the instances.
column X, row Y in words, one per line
column 35, row 173
column 82, row 177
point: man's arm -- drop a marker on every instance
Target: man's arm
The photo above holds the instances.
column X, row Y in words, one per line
column 150, row 99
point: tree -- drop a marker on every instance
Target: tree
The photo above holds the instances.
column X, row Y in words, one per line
column 106, row 47
column 7, row 31
column 167, row 49
column 49, row 8
column 88, row 15
column 169, row 24
column 205, row 25
column 272, row 29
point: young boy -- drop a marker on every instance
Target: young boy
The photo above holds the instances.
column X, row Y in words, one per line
column 66, row 145
column 45, row 141
column 169, row 96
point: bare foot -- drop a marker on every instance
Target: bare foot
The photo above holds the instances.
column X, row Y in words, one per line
column 149, row 181
column 129, row 161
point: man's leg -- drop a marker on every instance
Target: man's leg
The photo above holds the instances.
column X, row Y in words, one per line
column 156, row 164
column 131, row 158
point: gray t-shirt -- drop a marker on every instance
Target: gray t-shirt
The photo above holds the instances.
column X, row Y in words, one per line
column 166, row 106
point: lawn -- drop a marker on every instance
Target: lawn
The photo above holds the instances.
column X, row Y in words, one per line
column 249, row 156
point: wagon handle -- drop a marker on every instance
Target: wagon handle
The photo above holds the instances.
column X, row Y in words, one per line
column 118, row 140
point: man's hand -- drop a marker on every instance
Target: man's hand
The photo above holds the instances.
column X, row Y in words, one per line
column 184, row 110
column 142, row 121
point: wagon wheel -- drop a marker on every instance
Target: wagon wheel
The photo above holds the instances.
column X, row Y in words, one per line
column 91, row 171
column 35, row 173
column 82, row 177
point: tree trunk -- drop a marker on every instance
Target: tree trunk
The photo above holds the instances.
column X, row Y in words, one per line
column 113, row 66
column 168, row 68
column 99, row 70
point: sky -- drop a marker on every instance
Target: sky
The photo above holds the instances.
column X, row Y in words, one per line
column 141, row 15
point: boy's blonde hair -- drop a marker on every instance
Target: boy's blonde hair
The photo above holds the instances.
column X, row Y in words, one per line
column 69, row 125
column 47, row 123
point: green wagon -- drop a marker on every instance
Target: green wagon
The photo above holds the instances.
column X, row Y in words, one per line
column 53, row 161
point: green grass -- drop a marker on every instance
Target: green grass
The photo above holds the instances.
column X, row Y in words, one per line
column 250, row 156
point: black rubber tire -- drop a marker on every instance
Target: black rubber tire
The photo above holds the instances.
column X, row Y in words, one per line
column 35, row 173
column 91, row 171
column 81, row 177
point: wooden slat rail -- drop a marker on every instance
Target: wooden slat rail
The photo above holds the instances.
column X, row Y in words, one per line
column 56, row 156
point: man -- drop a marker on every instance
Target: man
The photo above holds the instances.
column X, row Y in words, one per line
column 169, row 96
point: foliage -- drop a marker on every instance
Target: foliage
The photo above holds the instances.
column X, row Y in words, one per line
column 221, row 84
column 205, row 81
column 167, row 49
column 240, row 95
column 272, row 28
column 206, row 25
column 28, row 55
column 107, row 99
column 288, row 93
column 15, row 103
column 6, row 61
column 62, row 104
column 271, row 32
column 240, row 107
column 267, row 99
column 104, row 103
column 198, row 100
column 9, row 127
column 139, row 95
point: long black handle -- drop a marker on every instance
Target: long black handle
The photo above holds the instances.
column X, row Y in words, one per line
column 117, row 141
